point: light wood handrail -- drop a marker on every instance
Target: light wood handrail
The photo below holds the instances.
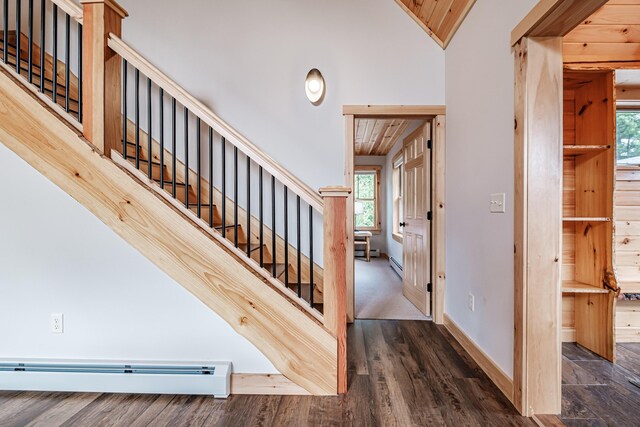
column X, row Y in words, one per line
column 220, row 126
column 70, row 7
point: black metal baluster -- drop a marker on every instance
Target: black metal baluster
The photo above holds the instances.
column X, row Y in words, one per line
column 261, row 214
column 248, row 207
column 286, row 236
column 30, row 37
column 137, row 116
column 54, row 95
column 199, row 172
column 173, row 147
column 162, row 177
column 124, row 107
column 235, row 195
column 273, row 225
column 79, row 72
column 299, row 246
column 5, row 31
column 186, row 157
column 224, row 187
column 18, row 32
column 210, row 177
column 43, row 13
column 311, row 256
column 67, row 60
column 149, row 128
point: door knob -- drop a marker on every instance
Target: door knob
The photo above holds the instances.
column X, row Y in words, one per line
column 403, row 224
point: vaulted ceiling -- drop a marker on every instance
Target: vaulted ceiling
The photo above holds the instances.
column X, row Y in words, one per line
column 439, row 18
column 376, row 137
column 612, row 33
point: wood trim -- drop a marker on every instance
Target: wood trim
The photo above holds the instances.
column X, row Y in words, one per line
column 493, row 371
column 403, row 111
column 398, row 238
column 335, row 280
column 537, row 227
column 458, row 23
column 349, row 159
column 71, row 8
column 548, row 421
column 438, row 197
column 265, row 384
column 554, row 18
column 220, row 126
column 295, row 343
column 422, row 25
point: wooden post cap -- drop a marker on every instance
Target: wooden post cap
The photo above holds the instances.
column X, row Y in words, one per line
column 335, row 191
column 111, row 4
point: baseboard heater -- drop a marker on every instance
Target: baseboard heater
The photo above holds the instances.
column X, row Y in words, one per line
column 396, row 266
column 212, row 379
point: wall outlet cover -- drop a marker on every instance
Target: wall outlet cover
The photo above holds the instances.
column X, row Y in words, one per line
column 497, row 203
column 57, row 323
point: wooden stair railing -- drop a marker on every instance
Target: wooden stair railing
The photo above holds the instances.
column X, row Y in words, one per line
column 195, row 161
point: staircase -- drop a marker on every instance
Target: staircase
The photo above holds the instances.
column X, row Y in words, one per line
column 203, row 203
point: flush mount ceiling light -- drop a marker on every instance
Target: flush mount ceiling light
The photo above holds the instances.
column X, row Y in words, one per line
column 314, row 86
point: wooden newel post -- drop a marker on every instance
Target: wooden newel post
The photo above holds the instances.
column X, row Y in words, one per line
column 335, row 272
column 102, row 72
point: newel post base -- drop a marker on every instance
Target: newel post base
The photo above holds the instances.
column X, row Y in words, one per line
column 101, row 88
column 335, row 272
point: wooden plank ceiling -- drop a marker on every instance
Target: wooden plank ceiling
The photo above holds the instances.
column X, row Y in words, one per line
column 611, row 34
column 376, row 137
column 439, row 18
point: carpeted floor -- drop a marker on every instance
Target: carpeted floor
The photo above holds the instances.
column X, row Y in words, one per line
column 378, row 293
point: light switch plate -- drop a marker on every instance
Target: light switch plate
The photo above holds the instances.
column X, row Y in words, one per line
column 497, row 203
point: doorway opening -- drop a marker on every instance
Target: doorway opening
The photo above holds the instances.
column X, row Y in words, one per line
column 395, row 166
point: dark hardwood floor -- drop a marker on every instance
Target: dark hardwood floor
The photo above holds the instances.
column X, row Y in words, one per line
column 598, row 393
column 401, row 373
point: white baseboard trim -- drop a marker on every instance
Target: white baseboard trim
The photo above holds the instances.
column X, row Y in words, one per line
column 568, row 334
column 493, row 371
column 272, row 384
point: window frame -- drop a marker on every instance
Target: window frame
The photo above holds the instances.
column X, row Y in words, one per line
column 632, row 107
column 377, row 171
column 397, row 164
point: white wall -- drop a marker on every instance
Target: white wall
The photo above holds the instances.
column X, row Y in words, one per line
column 247, row 60
column 479, row 94
column 55, row 256
column 378, row 241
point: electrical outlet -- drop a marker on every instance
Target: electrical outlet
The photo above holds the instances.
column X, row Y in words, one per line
column 57, row 324
column 471, row 302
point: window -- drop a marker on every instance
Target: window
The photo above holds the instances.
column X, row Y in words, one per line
column 398, row 194
column 366, row 194
column 628, row 137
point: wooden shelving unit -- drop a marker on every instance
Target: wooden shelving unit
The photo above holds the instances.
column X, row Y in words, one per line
column 588, row 184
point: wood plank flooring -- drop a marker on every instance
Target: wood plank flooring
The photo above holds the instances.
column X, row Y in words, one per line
column 596, row 392
column 401, row 373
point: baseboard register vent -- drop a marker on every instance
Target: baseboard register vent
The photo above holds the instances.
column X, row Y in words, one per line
column 212, row 379
column 396, row 266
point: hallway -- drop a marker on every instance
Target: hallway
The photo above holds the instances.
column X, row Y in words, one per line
column 401, row 373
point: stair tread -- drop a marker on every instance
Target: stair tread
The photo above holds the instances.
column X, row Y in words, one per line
column 254, row 246
column 279, row 268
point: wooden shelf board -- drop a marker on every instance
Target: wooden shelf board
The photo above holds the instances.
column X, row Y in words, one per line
column 572, row 286
column 586, row 218
column 576, row 150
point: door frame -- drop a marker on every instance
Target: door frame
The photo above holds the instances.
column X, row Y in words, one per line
column 425, row 112
column 537, row 357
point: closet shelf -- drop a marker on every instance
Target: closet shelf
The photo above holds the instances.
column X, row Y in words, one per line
column 577, row 150
column 585, row 218
column 573, row 286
